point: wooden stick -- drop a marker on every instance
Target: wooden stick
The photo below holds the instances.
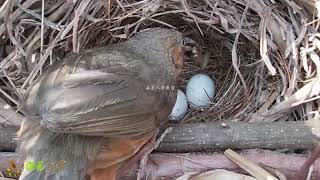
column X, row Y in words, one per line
column 169, row 166
column 238, row 135
column 219, row 136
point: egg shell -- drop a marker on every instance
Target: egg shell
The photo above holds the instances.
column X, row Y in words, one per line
column 200, row 90
column 180, row 108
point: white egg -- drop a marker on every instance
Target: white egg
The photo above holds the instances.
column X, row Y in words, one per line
column 180, row 107
column 200, row 90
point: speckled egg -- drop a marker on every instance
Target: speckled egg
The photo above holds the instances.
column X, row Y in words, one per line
column 180, row 108
column 200, row 90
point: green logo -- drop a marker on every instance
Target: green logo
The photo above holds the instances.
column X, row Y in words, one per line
column 39, row 166
column 32, row 166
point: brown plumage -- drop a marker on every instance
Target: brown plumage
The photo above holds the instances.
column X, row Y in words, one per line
column 93, row 109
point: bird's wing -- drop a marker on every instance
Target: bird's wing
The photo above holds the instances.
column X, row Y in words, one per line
column 108, row 99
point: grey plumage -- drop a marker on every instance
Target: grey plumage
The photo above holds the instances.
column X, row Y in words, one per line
column 81, row 103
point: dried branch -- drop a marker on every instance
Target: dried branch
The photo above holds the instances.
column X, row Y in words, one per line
column 171, row 166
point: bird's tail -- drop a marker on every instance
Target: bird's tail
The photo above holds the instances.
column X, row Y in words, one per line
column 54, row 156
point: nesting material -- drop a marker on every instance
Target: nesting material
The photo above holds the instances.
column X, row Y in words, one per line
column 251, row 167
column 263, row 53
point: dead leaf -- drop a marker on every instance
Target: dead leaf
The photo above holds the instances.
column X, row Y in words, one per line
column 221, row 174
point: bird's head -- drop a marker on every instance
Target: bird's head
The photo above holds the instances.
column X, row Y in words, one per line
column 162, row 46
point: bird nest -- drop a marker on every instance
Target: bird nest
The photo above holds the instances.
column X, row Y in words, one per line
column 263, row 54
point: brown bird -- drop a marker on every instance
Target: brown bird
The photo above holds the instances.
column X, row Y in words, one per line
column 94, row 111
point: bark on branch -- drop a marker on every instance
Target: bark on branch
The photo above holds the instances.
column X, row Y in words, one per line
column 238, row 135
column 218, row 136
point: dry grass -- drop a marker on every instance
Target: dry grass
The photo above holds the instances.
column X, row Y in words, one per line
column 262, row 53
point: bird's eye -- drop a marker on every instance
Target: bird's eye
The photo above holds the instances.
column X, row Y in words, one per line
column 186, row 41
column 183, row 42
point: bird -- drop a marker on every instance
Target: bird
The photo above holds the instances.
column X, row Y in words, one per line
column 94, row 111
